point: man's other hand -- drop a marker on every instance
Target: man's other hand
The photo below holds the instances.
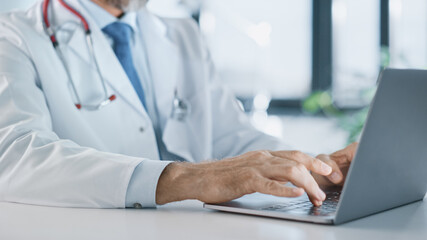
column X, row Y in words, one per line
column 340, row 162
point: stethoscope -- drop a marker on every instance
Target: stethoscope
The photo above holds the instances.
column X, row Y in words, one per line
column 180, row 107
column 89, row 42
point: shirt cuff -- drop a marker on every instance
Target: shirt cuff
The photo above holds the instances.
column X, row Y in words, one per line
column 142, row 187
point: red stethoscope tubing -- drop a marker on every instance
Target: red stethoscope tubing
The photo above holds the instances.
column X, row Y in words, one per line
column 54, row 40
column 69, row 8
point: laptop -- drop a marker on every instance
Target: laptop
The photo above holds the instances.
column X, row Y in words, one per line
column 389, row 169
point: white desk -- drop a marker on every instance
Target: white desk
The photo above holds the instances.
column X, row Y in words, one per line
column 188, row 220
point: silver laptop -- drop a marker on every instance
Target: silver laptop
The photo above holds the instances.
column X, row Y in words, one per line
column 389, row 169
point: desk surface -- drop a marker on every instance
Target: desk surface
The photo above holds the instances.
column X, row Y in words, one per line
column 188, row 220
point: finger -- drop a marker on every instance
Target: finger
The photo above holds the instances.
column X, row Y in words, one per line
column 309, row 162
column 271, row 187
column 298, row 175
column 346, row 155
column 336, row 175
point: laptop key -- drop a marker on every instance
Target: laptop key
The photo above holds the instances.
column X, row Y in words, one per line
column 306, row 207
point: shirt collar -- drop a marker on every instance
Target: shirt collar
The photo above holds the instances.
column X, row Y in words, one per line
column 103, row 18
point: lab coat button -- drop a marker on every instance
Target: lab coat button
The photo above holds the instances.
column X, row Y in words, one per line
column 141, row 129
column 137, row 205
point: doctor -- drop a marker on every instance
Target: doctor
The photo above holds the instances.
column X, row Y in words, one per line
column 103, row 106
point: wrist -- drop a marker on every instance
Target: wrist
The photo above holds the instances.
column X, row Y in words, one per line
column 178, row 181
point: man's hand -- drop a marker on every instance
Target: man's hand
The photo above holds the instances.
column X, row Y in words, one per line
column 228, row 179
column 340, row 162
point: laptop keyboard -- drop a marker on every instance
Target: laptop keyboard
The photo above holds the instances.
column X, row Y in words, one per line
column 328, row 207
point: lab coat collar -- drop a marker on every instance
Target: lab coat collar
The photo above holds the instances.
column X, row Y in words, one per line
column 158, row 25
column 102, row 18
column 163, row 58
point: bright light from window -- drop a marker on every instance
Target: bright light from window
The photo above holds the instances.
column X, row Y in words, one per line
column 260, row 33
column 408, row 34
column 356, row 50
column 260, row 46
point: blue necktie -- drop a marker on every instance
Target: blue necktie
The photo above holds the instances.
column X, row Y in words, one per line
column 121, row 34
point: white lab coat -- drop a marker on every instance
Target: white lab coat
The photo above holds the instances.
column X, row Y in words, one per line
column 54, row 154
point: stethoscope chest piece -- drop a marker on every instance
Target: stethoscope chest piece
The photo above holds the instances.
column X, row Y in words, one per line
column 181, row 109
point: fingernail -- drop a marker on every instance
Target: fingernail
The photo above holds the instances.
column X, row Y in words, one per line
column 326, row 168
column 336, row 177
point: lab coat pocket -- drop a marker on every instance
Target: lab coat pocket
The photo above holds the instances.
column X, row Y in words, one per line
column 176, row 138
column 191, row 137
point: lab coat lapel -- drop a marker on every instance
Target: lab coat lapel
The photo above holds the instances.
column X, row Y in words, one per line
column 166, row 68
column 113, row 72
column 109, row 65
column 162, row 56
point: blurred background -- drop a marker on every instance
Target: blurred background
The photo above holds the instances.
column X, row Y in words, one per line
column 304, row 70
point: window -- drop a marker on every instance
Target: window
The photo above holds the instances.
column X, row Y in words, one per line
column 268, row 46
column 261, row 46
column 408, row 33
column 356, row 49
